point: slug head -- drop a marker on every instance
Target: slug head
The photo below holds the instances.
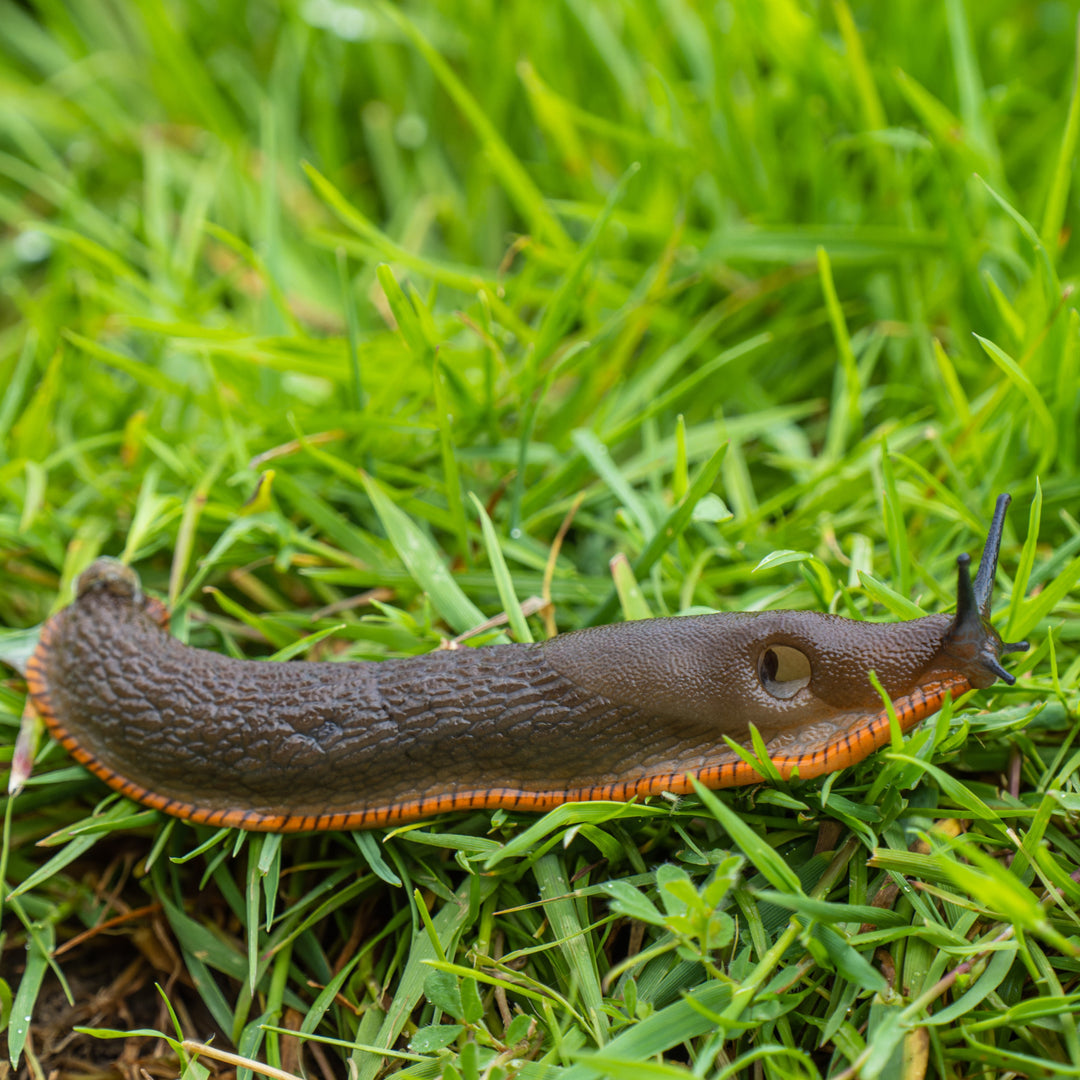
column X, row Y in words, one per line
column 799, row 676
column 972, row 643
column 967, row 645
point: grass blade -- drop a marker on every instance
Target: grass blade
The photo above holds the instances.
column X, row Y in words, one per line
column 1061, row 180
column 844, row 420
column 508, row 597
column 669, row 531
column 517, row 182
column 1027, row 561
column 423, row 561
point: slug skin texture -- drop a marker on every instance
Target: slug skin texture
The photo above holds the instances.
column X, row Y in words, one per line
column 604, row 713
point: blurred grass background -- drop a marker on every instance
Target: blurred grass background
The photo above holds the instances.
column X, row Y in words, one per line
column 778, row 281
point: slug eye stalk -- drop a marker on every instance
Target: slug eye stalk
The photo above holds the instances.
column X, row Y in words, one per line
column 971, row 627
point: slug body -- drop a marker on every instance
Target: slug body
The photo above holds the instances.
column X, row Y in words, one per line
column 605, row 713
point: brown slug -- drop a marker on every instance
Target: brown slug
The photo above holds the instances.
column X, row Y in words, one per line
column 605, row 713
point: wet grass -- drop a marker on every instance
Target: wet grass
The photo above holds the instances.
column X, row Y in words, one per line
column 303, row 301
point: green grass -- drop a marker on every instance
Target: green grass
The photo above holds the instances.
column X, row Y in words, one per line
column 778, row 296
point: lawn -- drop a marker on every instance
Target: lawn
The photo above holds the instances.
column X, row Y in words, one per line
column 352, row 327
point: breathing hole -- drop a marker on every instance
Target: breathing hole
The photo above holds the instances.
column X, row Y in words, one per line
column 783, row 671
